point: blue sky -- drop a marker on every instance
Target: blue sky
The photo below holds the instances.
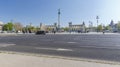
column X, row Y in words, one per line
column 45, row 11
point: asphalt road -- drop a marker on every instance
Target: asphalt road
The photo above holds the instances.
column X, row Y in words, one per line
column 102, row 47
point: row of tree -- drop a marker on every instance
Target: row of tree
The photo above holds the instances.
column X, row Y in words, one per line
column 108, row 27
column 18, row 27
column 99, row 28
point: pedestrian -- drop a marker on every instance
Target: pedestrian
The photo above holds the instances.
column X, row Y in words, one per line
column 103, row 32
column 54, row 32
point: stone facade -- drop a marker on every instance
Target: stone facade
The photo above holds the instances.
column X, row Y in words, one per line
column 52, row 27
column 76, row 27
column 49, row 28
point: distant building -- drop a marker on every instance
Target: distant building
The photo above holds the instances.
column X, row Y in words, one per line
column 52, row 27
column 76, row 27
column 42, row 27
column 49, row 28
column 1, row 25
column 113, row 26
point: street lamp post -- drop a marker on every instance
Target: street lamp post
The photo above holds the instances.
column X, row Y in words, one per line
column 97, row 17
column 59, row 19
column 90, row 26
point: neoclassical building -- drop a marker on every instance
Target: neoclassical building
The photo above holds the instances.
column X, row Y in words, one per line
column 52, row 27
column 76, row 27
column 49, row 27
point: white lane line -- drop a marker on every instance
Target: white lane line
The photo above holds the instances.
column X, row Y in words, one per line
column 6, row 44
column 98, row 47
column 61, row 49
column 45, row 48
column 55, row 49
column 72, row 42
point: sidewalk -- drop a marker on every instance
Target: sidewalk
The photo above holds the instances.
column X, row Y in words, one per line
column 17, row 60
column 8, row 34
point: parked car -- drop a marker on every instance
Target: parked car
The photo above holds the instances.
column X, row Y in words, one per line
column 40, row 32
column 107, row 31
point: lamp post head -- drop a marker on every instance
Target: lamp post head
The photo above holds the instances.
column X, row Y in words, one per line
column 59, row 11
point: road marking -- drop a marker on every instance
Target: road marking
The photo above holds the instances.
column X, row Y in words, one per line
column 45, row 48
column 6, row 44
column 98, row 47
column 61, row 49
column 71, row 42
column 55, row 49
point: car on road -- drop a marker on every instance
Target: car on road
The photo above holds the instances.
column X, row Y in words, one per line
column 40, row 33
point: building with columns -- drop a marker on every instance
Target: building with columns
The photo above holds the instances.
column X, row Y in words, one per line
column 49, row 28
column 52, row 27
column 76, row 27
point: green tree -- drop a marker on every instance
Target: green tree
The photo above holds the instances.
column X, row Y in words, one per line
column 66, row 29
column 118, row 25
column 5, row 27
column 37, row 28
column 108, row 28
column 99, row 28
column 8, row 27
column 31, row 29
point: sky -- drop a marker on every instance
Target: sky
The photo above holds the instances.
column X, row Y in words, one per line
column 46, row 11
